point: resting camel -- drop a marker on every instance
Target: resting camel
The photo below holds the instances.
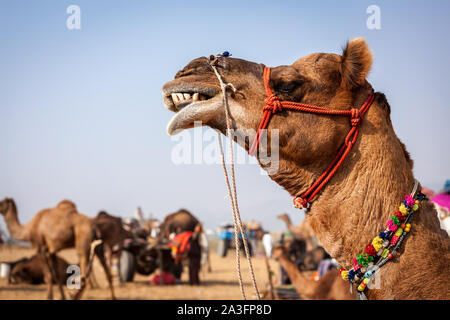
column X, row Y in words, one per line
column 31, row 270
column 329, row 287
column 369, row 185
column 52, row 230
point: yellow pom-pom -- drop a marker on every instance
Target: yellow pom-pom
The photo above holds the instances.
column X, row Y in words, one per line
column 366, row 281
column 403, row 209
column 344, row 275
column 377, row 243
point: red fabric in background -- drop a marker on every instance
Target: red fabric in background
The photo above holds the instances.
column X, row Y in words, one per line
column 181, row 244
column 167, row 278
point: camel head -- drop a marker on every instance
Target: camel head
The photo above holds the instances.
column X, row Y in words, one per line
column 5, row 204
column 321, row 79
column 280, row 251
column 20, row 274
column 284, row 217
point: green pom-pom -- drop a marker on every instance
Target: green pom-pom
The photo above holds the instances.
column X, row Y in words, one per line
column 395, row 220
column 363, row 259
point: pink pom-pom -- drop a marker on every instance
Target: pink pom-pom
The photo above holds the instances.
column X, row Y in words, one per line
column 392, row 226
column 410, row 200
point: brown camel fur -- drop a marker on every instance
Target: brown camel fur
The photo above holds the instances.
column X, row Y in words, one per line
column 31, row 270
column 113, row 234
column 177, row 222
column 372, row 181
column 329, row 287
column 52, row 230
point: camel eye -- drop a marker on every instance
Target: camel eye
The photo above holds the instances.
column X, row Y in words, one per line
column 286, row 87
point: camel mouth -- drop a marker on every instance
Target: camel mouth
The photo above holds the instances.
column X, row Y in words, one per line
column 181, row 100
column 180, row 96
column 191, row 105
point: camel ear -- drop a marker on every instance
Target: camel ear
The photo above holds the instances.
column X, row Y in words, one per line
column 356, row 63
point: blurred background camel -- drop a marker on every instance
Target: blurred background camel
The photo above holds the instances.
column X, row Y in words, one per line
column 179, row 221
column 32, row 270
column 329, row 287
column 185, row 234
column 301, row 231
column 113, row 235
column 55, row 229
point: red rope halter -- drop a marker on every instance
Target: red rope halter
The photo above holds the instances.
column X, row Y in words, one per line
column 274, row 105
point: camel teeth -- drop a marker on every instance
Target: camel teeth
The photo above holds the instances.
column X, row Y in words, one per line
column 178, row 97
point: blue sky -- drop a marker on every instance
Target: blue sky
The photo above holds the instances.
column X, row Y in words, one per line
column 81, row 115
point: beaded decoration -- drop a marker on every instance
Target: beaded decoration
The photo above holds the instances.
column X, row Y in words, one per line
column 384, row 245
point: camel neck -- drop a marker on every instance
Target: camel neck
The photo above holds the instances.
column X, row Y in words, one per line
column 17, row 231
column 363, row 194
column 303, row 285
column 288, row 221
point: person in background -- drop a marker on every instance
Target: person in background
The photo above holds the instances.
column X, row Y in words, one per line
column 204, row 245
column 268, row 244
column 194, row 255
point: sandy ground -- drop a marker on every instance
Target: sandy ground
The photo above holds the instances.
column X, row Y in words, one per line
column 221, row 283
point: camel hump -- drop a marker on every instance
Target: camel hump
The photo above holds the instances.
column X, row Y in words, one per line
column 66, row 205
column 104, row 214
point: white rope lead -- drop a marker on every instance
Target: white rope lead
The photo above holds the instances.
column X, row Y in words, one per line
column 232, row 193
column 236, row 237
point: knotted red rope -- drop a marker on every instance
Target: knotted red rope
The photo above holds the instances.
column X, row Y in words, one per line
column 274, row 105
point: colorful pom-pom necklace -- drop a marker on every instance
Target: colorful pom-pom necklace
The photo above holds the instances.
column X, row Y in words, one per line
column 383, row 246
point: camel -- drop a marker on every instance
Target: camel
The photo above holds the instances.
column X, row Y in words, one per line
column 314, row 253
column 329, row 287
column 113, row 234
column 31, row 270
column 302, row 231
column 177, row 222
column 371, row 182
column 181, row 221
column 52, row 230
